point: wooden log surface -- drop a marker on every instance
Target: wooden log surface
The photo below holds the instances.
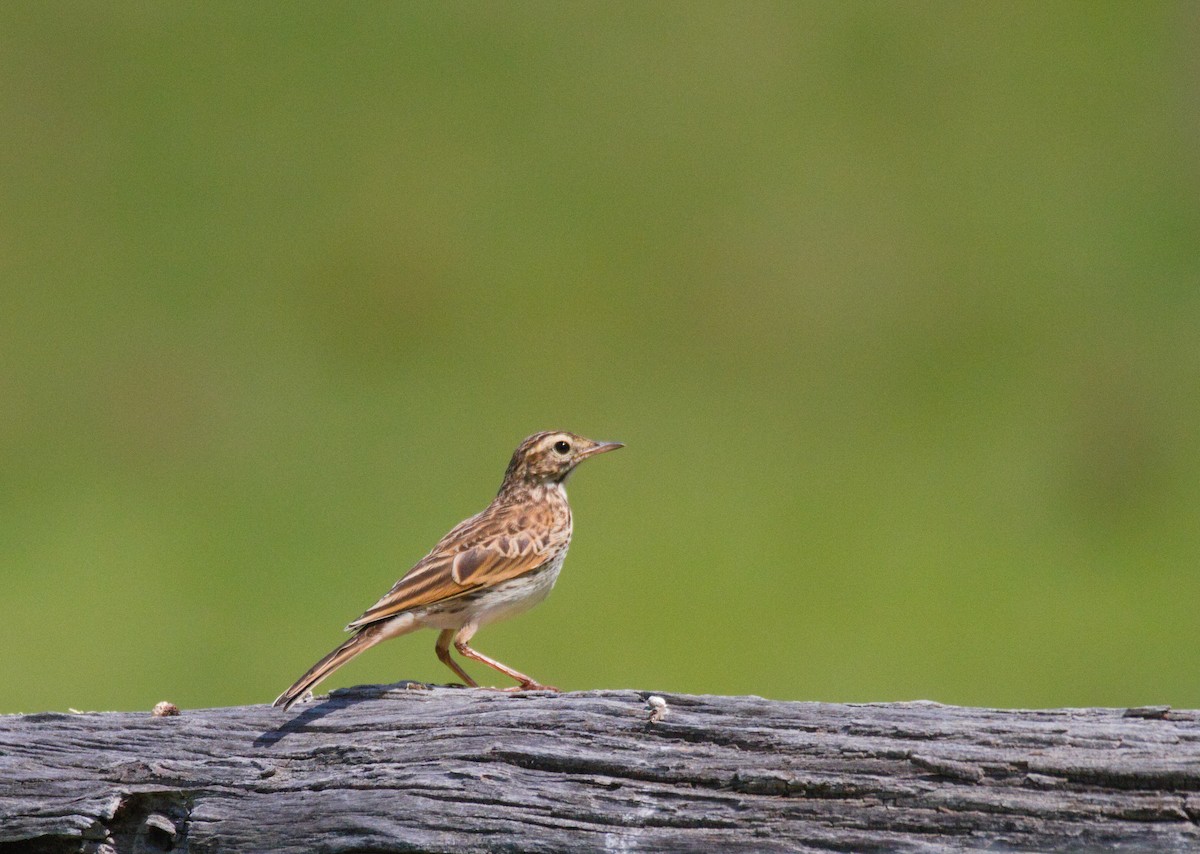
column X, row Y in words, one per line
column 393, row 768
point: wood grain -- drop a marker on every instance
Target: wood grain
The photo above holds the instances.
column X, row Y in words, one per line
column 385, row 769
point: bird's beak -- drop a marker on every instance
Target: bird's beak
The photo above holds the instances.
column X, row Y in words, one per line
column 602, row 448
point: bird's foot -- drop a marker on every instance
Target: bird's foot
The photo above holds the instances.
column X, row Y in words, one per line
column 532, row 686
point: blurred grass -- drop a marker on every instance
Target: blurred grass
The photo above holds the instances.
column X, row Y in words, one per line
column 895, row 305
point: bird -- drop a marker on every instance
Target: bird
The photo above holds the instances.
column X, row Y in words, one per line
column 492, row 566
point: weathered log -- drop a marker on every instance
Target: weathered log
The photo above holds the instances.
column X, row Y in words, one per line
column 378, row 769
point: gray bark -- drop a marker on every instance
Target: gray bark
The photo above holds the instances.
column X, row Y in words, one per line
column 372, row 769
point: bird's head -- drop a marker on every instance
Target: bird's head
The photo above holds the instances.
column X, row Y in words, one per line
column 549, row 457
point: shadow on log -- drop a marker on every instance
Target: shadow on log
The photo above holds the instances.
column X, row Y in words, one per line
column 378, row 769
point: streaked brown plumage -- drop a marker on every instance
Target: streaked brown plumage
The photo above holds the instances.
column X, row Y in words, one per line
column 494, row 565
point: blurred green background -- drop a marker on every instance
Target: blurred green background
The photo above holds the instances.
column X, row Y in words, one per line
column 897, row 307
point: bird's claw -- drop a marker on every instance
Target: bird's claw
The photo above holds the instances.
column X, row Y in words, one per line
column 533, row 686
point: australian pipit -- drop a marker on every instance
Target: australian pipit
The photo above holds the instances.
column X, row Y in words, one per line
column 490, row 567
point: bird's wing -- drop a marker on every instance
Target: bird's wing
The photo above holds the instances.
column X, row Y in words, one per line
column 464, row 561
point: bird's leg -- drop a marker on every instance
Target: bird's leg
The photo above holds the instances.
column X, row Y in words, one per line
column 443, row 653
column 527, row 684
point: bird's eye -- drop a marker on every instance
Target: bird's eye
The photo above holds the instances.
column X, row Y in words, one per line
column 562, row 447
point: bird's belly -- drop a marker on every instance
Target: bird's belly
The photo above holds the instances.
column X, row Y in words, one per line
column 505, row 600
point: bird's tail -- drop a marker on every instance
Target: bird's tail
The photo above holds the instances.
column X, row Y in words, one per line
column 361, row 642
